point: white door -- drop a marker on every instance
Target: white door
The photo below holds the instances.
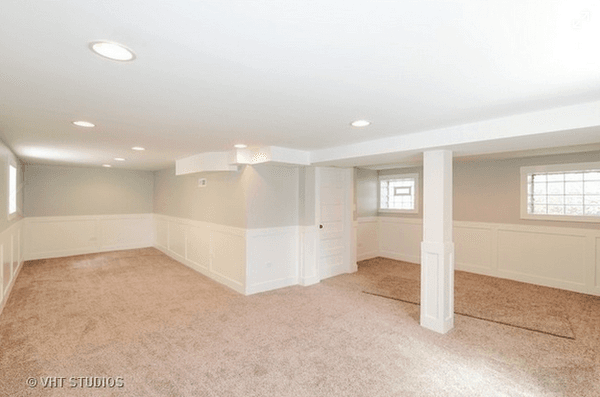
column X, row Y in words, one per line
column 334, row 190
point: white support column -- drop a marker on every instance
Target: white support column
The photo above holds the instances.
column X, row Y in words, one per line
column 437, row 248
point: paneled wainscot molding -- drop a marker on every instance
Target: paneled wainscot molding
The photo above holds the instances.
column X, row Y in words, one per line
column 11, row 258
column 566, row 258
column 57, row 236
column 247, row 260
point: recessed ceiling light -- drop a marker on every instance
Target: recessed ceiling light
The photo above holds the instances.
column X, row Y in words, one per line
column 107, row 165
column 137, row 148
column 240, row 146
column 82, row 123
column 114, row 51
column 119, row 159
column 360, row 123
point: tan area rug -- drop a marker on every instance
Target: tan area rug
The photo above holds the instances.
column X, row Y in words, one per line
column 522, row 305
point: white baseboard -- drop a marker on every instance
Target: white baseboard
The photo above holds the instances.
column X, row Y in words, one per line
column 306, row 281
column 400, row 256
column 271, row 285
column 367, row 255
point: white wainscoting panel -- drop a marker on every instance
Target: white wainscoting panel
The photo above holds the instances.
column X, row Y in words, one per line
column 123, row 232
column 566, row 258
column 161, row 232
column 198, row 246
column 246, row 260
column 474, row 245
column 11, row 259
column 51, row 237
column 177, row 239
column 228, row 256
column 367, row 238
column 272, row 258
column 217, row 251
column 400, row 238
column 308, row 273
column 553, row 256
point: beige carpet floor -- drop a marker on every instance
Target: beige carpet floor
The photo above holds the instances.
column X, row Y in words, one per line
column 169, row 331
column 527, row 306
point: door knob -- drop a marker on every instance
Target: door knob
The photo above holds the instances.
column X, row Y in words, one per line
column 320, row 226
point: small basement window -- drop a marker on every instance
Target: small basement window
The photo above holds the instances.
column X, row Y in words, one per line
column 568, row 192
column 398, row 193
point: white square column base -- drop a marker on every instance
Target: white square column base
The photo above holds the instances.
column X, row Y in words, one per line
column 437, row 286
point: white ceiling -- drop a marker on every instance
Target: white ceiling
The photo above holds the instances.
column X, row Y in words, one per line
column 281, row 73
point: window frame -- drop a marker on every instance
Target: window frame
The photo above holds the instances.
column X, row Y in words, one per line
column 525, row 171
column 9, row 190
column 381, row 178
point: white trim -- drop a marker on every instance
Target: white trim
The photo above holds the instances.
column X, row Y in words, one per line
column 554, row 168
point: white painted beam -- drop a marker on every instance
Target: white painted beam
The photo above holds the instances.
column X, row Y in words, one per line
column 569, row 125
column 204, row 162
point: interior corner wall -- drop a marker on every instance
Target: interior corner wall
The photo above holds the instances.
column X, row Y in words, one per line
column 241, row 229
column 272, row 248
column 366, row 197
column 52, row 190
column 79, row 210
column 220, row 202
column 489, row 235
column 306, row 203
column 272, row 196
column 489, row 190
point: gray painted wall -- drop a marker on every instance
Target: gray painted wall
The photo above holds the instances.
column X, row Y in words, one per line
column 366, row 192
column 272, row 195
column 486, row 190
column 306, row 203
column 8, row 157
column 221, row 201
column 52, row 190
column 489, row 191
column 257, row 196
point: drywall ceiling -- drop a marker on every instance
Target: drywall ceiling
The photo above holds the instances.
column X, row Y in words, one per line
column 280, row 73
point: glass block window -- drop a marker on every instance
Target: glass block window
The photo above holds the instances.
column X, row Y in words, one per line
column 573, row 192
column 398, row 193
